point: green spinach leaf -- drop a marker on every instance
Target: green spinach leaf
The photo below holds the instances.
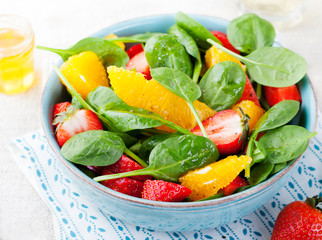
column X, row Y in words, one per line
column 136, row 38
column 108, row 52
column 272, row 66
column 191, row 47
column 164, row 50
column 198, row 32
column 285, row 143
column 174, row 157
column 95, row 147
column 101, row 96
column 259, row 172
column 222, row 85
column 250, row 32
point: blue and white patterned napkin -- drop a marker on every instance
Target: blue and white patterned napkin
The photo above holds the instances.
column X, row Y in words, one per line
column 76, row 218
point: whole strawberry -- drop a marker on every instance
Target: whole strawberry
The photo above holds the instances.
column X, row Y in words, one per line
column 299, row 220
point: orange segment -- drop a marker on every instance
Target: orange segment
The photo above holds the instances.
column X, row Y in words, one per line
column 215, row 55
column 252, row 110
column 205, row 182
column 111, row 36
column 135, row 90
column 84, row 72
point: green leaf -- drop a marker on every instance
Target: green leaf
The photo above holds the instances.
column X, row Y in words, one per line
column 259, row 152
column 222, row 85
column 191, row 47
column 259, row 172
column 136, row 38
column 164, row 50
column 108, row 52
column 94, row 147
column 177, row 82
column 278, row 167
column 101, row 96
column 174, row 157
column 198, row 32
column 250, row 32
column 285, row 143
column 276, row 66
column 272, row 66
column 150, row 143
column 278, row 115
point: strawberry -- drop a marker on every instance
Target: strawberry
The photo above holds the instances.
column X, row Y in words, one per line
column 249, row 93
column 222, row 37
column 96, row 169
column 132, row 51
column 139, row 64
column 236, row 183
column 274, row 95
column 299, row 220
column 125, row 164
column 124, row 185
column 72, row 122
column 159, row 190
column 227, row 129
column 61, row 107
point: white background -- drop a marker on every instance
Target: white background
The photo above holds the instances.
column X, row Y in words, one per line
column 61, row 23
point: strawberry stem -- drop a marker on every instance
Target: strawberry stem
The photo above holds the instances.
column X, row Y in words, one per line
column 135, row 157
column 314, row 202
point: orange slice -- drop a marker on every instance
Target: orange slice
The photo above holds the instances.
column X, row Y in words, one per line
column 111, row 36
column 215, row 55
column 135, row 90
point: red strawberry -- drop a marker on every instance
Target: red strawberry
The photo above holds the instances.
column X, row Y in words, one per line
column 61, row 107
column 132, row 51
column 236, row 183
column 299, row 220
column 124, row 185
column 222, row 37
column 227, row 130
column 96, row 169
column 249, row 93
column 125, row 164
column 139, row 64
column 73, row 122
column 159, row 190
column 275, row 95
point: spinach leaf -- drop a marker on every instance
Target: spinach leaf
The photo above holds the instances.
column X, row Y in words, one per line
column 108, row 52
column 101, row 96
column 181, row 85
column 250, row 32
column 95, row 147
column 164, row 50
column 222, row 85
column 272, row 66
column 174, row 157
column 198, row 32
column 278, row 115
column 177, row 82
column 259, row 152
column 285, row 143
column 191, row 47
column 217, row 195
column 147, row 146
column 278, row 167
column 259, row 172
column 136, row 38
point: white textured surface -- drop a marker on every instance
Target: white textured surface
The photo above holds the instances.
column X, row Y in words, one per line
column 61, row 23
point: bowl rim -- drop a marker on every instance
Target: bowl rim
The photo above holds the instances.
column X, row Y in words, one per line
column 219, row 202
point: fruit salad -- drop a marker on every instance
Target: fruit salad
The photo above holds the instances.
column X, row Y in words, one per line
column 189, row 115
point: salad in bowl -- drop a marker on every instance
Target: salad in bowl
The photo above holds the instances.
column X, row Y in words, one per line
column 188, row 115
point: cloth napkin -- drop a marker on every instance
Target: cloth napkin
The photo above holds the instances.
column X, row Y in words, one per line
column 76, row 218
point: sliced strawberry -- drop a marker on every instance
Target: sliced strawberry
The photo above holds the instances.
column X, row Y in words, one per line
column 159, row 190
column 222, row 37
column 124, row 185
column 125, row 164
column 249, row 93
column 61, row 107
column 275, row 95
column 227, row 130
column 132, row 51
column 139, row 64
column 73, row 122
column 236, row 183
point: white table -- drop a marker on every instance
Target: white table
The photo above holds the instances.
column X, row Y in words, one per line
column 60, row 23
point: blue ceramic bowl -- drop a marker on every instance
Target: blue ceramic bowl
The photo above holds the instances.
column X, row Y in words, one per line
column 162, row 215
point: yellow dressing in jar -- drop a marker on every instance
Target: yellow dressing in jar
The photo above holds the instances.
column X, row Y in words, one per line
column 16, row 55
